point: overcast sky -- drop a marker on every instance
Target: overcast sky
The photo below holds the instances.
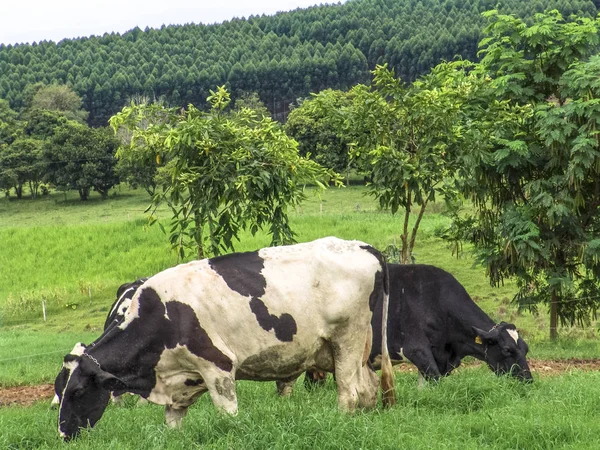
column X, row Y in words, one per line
column 28, row 21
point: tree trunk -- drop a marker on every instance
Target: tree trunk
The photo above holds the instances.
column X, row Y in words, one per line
column 84, row 194
column 198, row 235
column 405, row 250
column 554, row 316
column 413, row 236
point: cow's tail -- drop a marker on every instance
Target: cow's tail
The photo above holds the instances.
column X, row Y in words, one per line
column 388, row 390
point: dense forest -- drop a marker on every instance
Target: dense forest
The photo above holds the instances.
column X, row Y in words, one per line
column 281, row 57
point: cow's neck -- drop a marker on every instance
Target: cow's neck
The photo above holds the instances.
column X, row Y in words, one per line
column 117, row 353
column 465, row 318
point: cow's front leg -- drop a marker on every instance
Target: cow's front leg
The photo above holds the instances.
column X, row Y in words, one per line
column 174, row 416
column 222, row 392
column 425, row 362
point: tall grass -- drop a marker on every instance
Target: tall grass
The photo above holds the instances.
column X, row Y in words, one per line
column 470, row 410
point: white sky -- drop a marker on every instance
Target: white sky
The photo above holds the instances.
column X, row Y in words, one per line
column 28, row 21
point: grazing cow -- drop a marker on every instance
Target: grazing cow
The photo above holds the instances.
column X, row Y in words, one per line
column 434, row 323
column 264, row 315
column 116, row 313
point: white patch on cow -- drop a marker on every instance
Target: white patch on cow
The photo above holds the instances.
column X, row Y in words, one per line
column 122, row 307
column 173, row 369
column 70, row 366
column 513, row 334
column 78, row 349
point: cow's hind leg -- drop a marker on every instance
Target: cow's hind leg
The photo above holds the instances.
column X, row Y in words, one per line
column 357, row 383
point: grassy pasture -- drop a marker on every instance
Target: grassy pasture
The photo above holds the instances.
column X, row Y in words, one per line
column 59, row 250
column 470, row 410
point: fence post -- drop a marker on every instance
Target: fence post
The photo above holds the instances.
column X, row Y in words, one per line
column 90, row 292
column 44, row 307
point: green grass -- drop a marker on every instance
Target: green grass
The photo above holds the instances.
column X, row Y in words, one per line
column 472, row 409
column 58, row 250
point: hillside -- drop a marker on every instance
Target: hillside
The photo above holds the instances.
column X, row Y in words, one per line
column 281, row 57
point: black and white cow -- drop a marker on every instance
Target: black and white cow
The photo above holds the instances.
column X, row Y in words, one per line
column 434, row 323
column 264, row 315
column 116, row 313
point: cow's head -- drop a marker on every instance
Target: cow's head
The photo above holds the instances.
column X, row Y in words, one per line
column 505, row 352
column 83, row 392
column 61, row 379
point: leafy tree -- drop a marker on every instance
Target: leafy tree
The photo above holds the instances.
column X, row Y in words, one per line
column 536, row 191
column 10, row 126
column 252, row 101
column 82, row 158
column 282, row 57
column 20, row 163
column 411, row 137
column 226, row 173
column 59, row 97
column 318, row 128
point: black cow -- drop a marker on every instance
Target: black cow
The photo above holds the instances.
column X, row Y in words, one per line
column 434, row 323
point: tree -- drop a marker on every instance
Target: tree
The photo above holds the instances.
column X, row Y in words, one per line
column 318, row 128
column 410, row 138
column 10, row 126
column 536, row 190
column 82, row 158
column 226, row 173
column 59, row 97
column 21, row 162
column 252, row 101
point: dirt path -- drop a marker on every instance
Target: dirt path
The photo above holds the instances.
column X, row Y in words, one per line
column 26, row 395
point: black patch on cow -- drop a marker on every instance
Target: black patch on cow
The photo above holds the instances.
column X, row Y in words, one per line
column 381, row 285
column 133, row 353
column 378, row 291
column 186, row 331
column 242, row 273
column 190, row 382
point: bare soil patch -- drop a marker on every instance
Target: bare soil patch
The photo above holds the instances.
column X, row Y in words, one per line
column 27, row 395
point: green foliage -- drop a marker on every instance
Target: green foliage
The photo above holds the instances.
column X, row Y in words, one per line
column 251, row 100
column 317, row 127
column 81, row 158
column 411, row 137
column 59, row 97
column 536, row 188
column 281, row 57
column 9, row 124
column 225, row 173
column 21, row 162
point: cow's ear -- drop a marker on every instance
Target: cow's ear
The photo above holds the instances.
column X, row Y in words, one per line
column 109, row 382
column 482, row 336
